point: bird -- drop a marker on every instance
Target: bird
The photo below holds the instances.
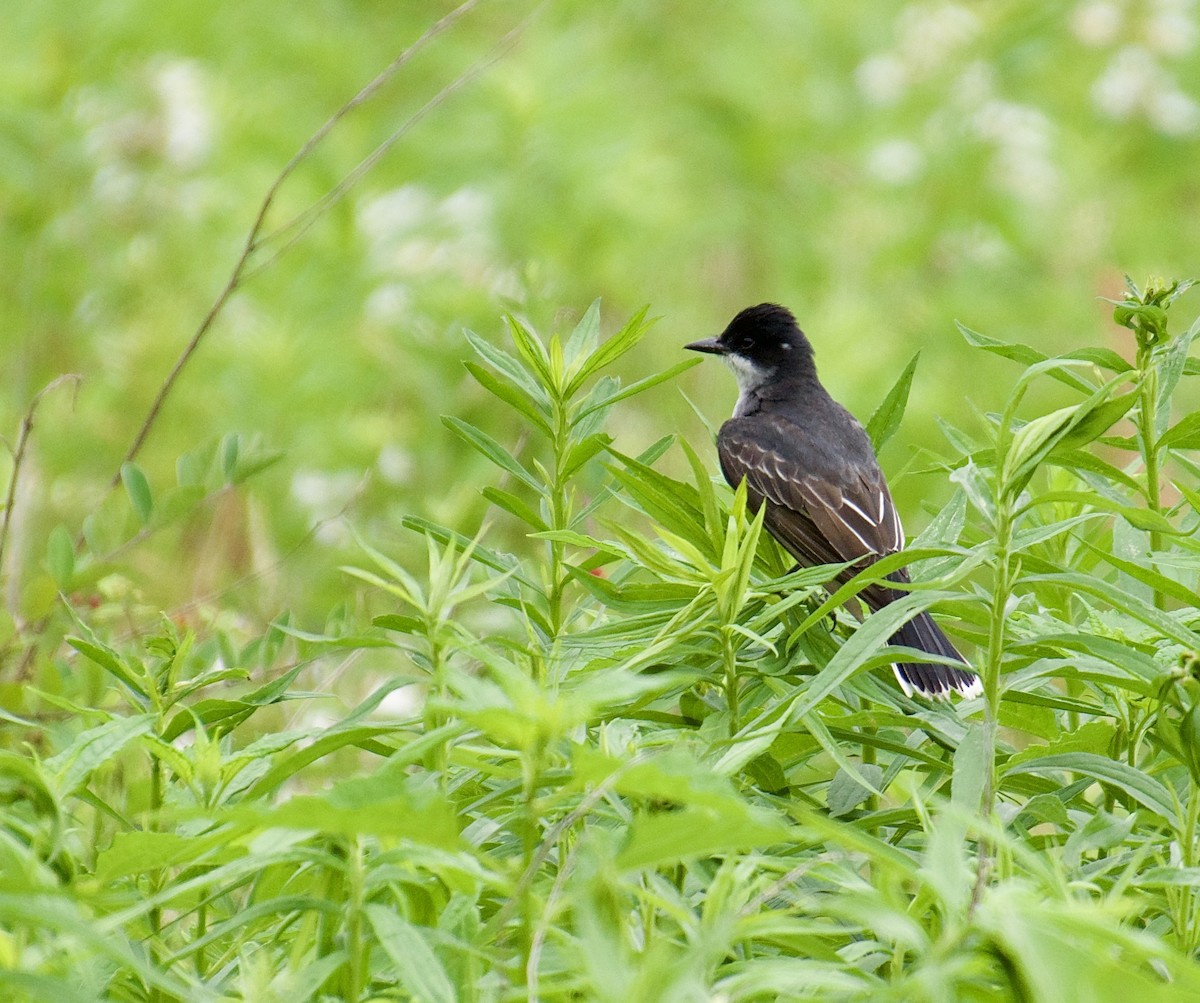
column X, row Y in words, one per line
column 812, row 464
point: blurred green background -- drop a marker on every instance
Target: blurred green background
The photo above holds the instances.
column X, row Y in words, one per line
column 882, row 169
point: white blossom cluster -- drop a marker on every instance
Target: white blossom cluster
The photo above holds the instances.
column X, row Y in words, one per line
column 411, row 235
column 937, row 39
column 1144, row 38
column 172, row 125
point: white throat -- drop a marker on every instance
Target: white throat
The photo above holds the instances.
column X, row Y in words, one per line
column 750, row 379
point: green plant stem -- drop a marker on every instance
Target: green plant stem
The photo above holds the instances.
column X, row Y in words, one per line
column 1146, row 419
column 1187, row 922
column 355, row 948
column 438, row 759
column 155, row 916
column 869, row 758
column 1001, row 592
column 729, row 656
column 529, row 849
column 559, row 505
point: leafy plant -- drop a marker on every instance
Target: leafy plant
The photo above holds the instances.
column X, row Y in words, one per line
column 643, row 758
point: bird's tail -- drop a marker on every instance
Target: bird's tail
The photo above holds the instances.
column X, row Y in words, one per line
column 926, row 678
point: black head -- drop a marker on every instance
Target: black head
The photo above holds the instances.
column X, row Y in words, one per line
column 765, row 336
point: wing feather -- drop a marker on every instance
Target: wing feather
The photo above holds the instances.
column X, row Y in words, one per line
column 839, row 513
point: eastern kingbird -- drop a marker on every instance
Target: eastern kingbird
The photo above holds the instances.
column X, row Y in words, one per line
column 810, row 461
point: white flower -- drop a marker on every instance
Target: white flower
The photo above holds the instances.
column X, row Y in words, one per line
column 928, row 34
column 1096, row 22
column 1171, row 32
column 1121, row 90
column 895, row 161
column 187, row 120
column 883, row 79
column 1173, row 112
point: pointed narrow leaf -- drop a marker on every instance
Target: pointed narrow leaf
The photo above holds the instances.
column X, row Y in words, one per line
column 479, row 553
column 515, row 506
column 531, row 350
column 886, row 419
column 1141, row 787
column 971, row 767
column 514, row 396
column 108, row 660
column 583, row 340
column 1147, row 576
column 610, row 351
column 499, row 359
column 417, row 968
column 1105, row 358
column 641, row 385
column 1185, row 434
column 1124, row 601
column 864, row 649
column 491, row 449
column 138, row 489
column 94, row 748
column 1098, row 421
column 1170, row 370
column 1020, row 353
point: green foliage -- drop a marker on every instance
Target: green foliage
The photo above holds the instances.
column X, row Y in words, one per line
column 566, row 725
column 641, row 758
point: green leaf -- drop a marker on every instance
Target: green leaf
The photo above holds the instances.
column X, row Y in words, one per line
column 515, row 506
column 514, row 396
column 1140, row 518
column 1092, row 738
column 1147, row 576
column 863, row 650
column 1171, row 365
column 486, row 556
column 1023, row 354
column 581, row 452
column 1036, row 439
column 639, row 386
column 1097, row 421
column 1105, row 358
column 1185, row 434
column 387, row 803
column 887, row 417
column 132, row 853
column 1124, row 601
column 583, row 340
column 1139, row 786
column 672, row 836
column 499, row 359
column 531, row 350
column 95, row 748
column 610, row 351
column 491, row 449
column 60, row 557
column 416, row 966
column 138, row 489
column 971, row 768
column 846, row 792
column 1048, row 808
column 1069, row 951
column 398, row 622
column 109, row 660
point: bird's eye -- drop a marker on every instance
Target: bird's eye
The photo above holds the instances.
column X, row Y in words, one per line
column 747, row 343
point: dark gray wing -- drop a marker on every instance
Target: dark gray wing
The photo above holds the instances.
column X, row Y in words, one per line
column 826, row 502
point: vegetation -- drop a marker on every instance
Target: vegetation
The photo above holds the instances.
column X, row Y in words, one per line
column 537, row 711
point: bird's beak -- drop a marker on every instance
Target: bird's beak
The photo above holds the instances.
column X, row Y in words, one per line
column 712, row 346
